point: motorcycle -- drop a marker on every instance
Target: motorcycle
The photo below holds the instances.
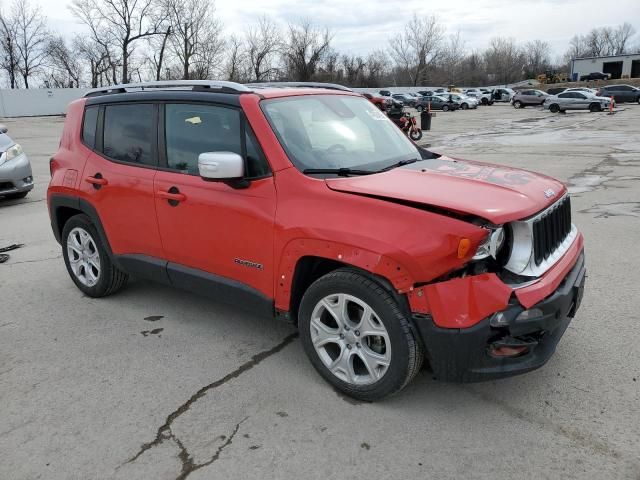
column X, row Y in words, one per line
column 409, row 125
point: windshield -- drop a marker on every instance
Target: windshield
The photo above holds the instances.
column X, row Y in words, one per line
column 337, row 131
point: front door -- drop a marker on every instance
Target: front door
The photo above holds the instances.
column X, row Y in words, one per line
column 223, row 229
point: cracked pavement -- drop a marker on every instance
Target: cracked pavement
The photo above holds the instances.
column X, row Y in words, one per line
column 158, row 383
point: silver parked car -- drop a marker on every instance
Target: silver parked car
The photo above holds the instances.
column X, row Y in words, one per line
column 575, row 101
column 16, row 178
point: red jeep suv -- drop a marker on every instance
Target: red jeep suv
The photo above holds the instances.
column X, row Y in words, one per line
column 310, row 205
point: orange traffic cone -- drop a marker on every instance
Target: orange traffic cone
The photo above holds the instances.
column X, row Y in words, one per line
column 612, row 105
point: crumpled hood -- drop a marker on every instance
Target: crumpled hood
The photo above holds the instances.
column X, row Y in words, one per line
column 494, row 192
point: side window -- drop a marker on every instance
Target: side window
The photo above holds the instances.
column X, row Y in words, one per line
column 565, row 95
column 128, row 133
column 89, row 125
column 194, row 129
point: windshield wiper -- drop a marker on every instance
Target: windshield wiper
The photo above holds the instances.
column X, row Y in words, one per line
column 401, row 163
column 342, row 172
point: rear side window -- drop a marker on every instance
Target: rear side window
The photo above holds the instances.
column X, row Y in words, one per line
column 128, row 133
column 89, row 125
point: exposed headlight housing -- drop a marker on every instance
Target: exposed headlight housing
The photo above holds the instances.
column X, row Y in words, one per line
column 491, row 245
column 12, row 152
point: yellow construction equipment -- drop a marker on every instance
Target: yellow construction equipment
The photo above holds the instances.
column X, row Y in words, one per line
column 551, row 76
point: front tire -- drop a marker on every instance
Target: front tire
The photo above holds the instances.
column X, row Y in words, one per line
column 357, row 336
column 419, row 108
column 554, row 108
column 87, row 260
column 415, row 134
column 517, row 104
column 595, row 107
column 464, row 106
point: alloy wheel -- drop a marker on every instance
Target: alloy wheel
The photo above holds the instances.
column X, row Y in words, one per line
column 350, row 339
column 84, row 258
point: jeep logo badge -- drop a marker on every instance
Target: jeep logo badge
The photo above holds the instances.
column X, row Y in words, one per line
column 549, row 193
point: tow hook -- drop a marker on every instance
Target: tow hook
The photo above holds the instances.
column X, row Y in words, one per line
column 511, row 347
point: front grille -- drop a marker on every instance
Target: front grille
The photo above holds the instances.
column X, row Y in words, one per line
column 550, row 230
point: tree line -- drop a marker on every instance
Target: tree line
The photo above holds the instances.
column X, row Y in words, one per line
column 137, row 40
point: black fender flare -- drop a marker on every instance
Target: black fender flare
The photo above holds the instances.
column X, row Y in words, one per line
column 59, row 201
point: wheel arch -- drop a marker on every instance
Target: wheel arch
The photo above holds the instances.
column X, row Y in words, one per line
column 63, row 207
column 304, row 261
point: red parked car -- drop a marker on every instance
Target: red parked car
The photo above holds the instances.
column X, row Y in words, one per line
column 381, row 102
column 310, row 205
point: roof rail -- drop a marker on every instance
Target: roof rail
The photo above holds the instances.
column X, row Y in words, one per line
column 329, row 86
column 217, row 85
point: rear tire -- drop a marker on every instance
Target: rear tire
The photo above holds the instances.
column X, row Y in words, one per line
column 87, row 260
column 419, row 108
column 346, row 319
column 445, row 108
column 554, row 108
column 484, row 101
column 464, row 106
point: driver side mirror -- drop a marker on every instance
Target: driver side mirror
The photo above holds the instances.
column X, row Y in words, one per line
column 220, row 166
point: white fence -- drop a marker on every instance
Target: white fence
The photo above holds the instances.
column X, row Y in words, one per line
column 37, row 101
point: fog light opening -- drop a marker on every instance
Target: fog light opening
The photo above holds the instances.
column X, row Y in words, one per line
column 505, row 351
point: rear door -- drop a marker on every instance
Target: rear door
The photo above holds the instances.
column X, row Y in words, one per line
column 214, row 227
column 118, row 177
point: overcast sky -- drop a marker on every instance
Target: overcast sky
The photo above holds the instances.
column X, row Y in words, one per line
column 360, row 26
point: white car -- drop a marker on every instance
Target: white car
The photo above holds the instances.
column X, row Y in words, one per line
column 576, row 101
column 503, row 94
column 483, row 97
column 463, row 100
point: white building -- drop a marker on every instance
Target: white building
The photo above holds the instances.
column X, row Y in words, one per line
column 619, row 66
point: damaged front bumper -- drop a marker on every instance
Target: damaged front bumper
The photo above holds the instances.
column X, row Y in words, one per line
column 518, row 337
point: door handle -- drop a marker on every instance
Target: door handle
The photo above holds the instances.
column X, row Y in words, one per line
column 173, row 196
column 97, row 181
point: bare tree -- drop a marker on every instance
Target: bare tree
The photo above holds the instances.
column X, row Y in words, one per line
column 65, row 69
column 620, row 37
column 418, row 47
column 118, row 22
column 354, row 69
column 234, row 69
column 505, row 60
column 31, row 38
column 305, row 50
column 96, row 56
column 8, row 48
column 196, row 35
column 263, row 42
column 537, row 57
column 452, row 58
column 376, row 69
column 596, row 42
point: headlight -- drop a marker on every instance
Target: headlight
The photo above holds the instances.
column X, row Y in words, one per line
column 491, row 245
column 11, row 153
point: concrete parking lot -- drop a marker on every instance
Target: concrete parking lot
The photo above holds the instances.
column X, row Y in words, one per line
column 157, row 383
